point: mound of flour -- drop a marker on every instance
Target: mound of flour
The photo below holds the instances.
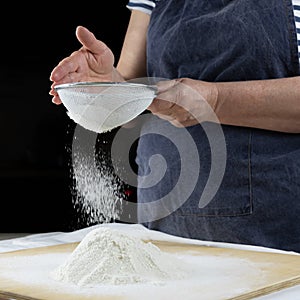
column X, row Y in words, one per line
column 110, row 256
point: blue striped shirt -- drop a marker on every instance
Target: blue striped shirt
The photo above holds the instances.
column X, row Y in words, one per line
column 296, row 4
column 147, row 6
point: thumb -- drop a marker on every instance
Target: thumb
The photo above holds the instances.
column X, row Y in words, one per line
column 89, row 41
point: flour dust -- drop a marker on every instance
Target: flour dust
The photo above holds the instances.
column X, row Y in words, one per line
column 97, row 191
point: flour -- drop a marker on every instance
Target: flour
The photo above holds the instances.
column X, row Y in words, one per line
column 191, row 271
column 96, row 189
column 109, row 256
column 90, row 124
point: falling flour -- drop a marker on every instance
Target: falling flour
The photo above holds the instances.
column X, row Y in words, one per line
column 96, row 190
column 109, row 256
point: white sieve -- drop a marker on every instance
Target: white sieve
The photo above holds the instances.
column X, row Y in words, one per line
column 102, row 106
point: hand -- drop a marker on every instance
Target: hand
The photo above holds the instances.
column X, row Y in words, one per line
column 185, row 102
column 94, row 61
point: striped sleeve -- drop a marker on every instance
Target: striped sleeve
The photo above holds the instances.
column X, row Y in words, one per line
column 296, row 4
column 145, row 6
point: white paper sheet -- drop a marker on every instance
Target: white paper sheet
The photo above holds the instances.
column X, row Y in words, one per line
column 55, row 238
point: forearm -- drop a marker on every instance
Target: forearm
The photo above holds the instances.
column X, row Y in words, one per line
column 132, row 62
column 267, row 104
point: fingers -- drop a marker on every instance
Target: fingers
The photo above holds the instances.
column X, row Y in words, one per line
column 56, row 100
column 70, row 64
column 65, row 67
column 93, row 61
column 174, row 103
column 167, row 98
column 179, row 120
column 159, row 105
column 89, row 41
column 97, row 48
column 165, row 85
column 170, row 112
column 94, row 55
column 55, row 97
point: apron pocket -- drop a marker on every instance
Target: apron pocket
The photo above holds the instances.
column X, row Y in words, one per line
column 234, row 196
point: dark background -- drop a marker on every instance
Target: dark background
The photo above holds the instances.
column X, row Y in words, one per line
column 35, row 183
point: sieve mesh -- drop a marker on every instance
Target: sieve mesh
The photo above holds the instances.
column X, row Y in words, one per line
column 102, row 106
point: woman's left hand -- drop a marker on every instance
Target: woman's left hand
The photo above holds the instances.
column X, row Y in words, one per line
column 185, row 102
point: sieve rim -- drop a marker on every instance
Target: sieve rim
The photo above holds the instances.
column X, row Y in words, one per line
column 103, row 84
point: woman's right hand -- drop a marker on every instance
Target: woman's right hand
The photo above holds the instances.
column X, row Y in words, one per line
column 94, row 61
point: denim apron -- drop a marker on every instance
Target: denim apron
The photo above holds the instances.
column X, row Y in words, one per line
column 258, row 201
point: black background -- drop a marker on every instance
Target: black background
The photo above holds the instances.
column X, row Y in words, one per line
column 34, row 161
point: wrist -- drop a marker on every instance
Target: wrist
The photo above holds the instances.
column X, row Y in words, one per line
column 116, row 76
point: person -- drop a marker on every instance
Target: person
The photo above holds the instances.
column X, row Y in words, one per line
column 242, row 58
